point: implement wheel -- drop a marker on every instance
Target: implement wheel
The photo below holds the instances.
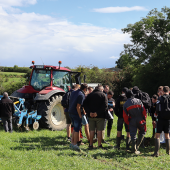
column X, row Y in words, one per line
column 35, row 125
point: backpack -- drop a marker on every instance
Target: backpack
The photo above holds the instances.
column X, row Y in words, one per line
column 144, row 97
column 165, row 107
column 166, row 103
column 65, row 99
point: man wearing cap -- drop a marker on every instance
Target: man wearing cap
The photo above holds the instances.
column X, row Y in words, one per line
column 134, row 115
column 119, row 113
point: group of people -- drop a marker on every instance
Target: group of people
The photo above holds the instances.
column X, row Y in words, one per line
column 95, row 108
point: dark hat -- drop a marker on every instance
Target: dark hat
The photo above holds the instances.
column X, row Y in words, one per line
column 129, row 94
column 125, row 89
column 135, row 89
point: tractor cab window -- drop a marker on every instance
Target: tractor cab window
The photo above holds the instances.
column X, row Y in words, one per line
column 62, row 79
column 40, row 79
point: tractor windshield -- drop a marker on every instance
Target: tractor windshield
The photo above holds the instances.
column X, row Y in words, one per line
column 62, row 79
column 40, row 79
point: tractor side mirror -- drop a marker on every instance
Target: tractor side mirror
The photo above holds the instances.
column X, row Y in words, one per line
column 84, row 78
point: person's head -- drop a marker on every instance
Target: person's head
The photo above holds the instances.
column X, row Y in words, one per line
column 154, row 98
column 5, row 94
column 76, row 87
column 135, row 90
column 124, row 90
column 129, row 94
column 90, row 89
column 99, row 87
column 160, row 93
column 110, row 94
column 166, row 90
column 160, row 88
column 106, row 88
column 84, row 87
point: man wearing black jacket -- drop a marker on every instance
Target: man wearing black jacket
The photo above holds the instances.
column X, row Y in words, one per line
column 96, row 107
column 163, row 124
column 6, row 111
column 119, row 113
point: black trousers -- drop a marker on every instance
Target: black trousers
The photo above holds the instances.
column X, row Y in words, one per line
column 7, row 123
column 109, row 124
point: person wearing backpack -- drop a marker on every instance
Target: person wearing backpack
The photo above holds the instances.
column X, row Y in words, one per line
column 134, row 115
column 163, row 124
column 65, row 104
column 143, row 96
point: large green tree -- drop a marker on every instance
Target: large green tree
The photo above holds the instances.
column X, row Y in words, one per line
column 150, row 47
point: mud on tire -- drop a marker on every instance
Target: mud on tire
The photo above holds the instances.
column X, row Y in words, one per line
column 52, row 114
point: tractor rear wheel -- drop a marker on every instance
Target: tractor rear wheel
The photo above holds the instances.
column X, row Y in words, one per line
column 52, row 113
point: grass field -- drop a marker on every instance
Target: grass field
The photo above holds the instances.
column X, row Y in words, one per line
column 45, row 149
column 15, row 73
column 11, row 79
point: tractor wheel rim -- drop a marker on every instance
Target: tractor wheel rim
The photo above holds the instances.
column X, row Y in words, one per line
column 57, row 115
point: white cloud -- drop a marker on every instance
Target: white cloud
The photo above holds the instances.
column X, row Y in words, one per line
column 119, row 9
column 114, row 57
column 17, row 2
column 30, row 36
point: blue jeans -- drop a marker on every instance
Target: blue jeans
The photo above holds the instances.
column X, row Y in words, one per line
column 76, row 121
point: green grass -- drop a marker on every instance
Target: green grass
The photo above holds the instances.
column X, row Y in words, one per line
column 11, row 79
column 44, row 149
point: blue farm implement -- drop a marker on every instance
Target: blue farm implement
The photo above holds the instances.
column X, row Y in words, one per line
column 23, row 117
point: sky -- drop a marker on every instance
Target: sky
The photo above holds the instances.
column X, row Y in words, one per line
column 86, row 32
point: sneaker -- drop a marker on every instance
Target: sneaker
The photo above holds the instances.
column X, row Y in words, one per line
column 80, row 143
column 90, row 147
column 75, row 147
column 116, row 147
column 68, row 139
column 71, row 145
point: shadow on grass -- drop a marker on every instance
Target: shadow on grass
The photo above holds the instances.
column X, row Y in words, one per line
column 42, row 143
column 122, row 153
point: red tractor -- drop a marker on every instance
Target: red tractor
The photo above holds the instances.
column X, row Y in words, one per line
column 44, row 93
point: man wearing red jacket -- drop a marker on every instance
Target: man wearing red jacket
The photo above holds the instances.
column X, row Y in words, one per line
column 134, row 115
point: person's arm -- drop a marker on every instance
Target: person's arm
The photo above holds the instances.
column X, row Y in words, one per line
column 117, row 106
column 125, row 116
column 86, row 105
column 144, row 114
column 13, row 108
column 79, row 109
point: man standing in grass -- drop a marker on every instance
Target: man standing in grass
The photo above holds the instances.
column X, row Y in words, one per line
column 119, row 113
column 134, row 115
column 96, row 106
column 75, row 111
column 163, row 124
column 7, row 109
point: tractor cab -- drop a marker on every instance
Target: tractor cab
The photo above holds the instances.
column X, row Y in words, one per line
column 42, row 78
